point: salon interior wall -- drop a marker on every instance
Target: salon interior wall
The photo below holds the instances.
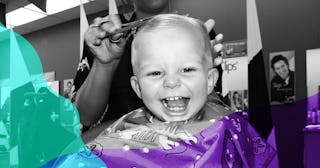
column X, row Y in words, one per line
column 285, row 25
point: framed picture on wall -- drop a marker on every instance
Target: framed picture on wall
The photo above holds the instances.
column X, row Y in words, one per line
column 237, row 48
column 49, row 76
column 67, row 88
column 236, row 100
column 54, row 85
column 282, row 77
column 245, row 100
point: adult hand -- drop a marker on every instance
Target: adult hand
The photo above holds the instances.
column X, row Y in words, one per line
column 103, row 43
column 216, row 44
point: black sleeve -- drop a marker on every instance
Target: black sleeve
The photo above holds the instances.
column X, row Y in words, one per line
column 83, row 68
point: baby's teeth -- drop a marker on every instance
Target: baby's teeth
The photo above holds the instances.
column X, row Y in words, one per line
column 175, row 108
column 173, row 98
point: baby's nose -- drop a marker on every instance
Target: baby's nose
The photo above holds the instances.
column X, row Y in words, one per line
column 171, row 81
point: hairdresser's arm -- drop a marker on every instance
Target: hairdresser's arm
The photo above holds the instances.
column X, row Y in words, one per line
column 93, row 96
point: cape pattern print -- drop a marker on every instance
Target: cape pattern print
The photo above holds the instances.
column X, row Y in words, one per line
column 138, row 140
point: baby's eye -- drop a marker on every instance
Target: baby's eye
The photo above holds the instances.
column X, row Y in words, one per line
column 189, row 69
column 154, row 73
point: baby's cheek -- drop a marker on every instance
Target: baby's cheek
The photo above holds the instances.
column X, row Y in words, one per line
column 200, row 85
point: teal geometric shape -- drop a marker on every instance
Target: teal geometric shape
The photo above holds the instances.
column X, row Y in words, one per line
column 42, row 125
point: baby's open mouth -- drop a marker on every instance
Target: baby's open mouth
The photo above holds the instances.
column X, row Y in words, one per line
column 175, row 103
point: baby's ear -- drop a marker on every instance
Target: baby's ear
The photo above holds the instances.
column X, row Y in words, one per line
column 135, row 85
column 213, row 76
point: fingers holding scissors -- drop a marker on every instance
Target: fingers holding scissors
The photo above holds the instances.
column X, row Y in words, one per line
column 103, row 41
column 105, row 27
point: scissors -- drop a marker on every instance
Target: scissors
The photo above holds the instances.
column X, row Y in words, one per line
column 125, row 28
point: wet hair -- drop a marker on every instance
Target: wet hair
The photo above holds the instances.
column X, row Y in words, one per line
column 277, row 58
column 164, row 21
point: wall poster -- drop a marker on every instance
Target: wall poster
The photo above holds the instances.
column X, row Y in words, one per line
column 282, row 77
column 235, row 75
column 68, row 88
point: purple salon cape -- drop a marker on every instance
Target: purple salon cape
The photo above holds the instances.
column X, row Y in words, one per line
column 215, row 138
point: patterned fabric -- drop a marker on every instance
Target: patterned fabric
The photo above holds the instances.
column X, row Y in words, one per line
column 214, row 138
column 207, row 140
column 140, row 127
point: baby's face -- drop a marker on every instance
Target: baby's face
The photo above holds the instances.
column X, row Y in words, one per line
column 172, row 77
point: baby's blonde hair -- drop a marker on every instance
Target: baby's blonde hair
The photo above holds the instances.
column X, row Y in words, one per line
column 173, row 21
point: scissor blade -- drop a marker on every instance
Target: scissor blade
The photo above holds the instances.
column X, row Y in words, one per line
column 131, row 25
